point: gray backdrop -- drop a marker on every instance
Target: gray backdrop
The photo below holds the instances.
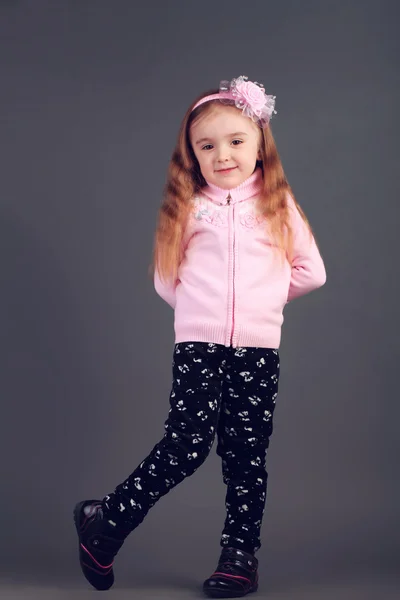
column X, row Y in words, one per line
column 92, row 94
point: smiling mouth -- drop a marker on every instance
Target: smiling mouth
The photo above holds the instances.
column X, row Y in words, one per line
column 226, row 170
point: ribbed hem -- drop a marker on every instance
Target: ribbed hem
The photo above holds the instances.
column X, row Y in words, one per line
column 264, row 337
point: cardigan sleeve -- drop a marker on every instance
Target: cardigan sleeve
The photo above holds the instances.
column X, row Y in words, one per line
column 165, row 289
column 308, row 269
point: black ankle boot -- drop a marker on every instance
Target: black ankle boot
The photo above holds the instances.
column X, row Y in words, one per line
column 235, row 576
column 99, row 542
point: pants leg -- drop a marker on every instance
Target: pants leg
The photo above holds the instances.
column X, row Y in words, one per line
column 245, row 426
column 189, row 434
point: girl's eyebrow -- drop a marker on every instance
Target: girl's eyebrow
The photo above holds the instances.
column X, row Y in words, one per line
column 242, row 133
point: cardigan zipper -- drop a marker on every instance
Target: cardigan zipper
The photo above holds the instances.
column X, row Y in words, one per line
column 228, row 199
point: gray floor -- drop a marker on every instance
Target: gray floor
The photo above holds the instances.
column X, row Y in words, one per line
column 349, row 588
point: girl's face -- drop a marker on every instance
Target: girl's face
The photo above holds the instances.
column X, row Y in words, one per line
column 226, row 145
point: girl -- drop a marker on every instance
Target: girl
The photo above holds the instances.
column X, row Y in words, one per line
column 232, row 248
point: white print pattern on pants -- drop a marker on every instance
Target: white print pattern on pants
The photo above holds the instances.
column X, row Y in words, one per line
column 217, row 391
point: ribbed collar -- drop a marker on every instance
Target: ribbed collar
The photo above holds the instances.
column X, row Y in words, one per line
column 249, row 188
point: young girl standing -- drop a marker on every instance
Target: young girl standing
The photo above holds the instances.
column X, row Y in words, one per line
column 232, row 248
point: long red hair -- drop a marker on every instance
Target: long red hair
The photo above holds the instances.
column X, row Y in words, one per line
column 184, row 180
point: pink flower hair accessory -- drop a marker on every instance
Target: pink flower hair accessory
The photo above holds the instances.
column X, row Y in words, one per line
column 248, row 96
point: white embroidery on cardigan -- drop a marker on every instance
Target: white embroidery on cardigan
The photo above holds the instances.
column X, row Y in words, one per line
column 248, row 219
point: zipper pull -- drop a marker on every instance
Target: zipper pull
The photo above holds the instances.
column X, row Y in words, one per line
column 229, row 198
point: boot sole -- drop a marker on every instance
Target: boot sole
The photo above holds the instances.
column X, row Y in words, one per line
column 213, row 593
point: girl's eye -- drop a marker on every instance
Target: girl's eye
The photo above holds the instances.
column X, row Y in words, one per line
column 234, row 142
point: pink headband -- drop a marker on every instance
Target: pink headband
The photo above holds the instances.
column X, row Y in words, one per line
column 249, row 97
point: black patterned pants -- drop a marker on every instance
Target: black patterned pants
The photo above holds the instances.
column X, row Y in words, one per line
column 228, row 392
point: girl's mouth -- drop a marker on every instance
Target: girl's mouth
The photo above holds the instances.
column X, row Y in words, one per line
column 226, row 170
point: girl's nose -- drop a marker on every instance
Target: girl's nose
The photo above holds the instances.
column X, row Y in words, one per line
column 223, row 155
